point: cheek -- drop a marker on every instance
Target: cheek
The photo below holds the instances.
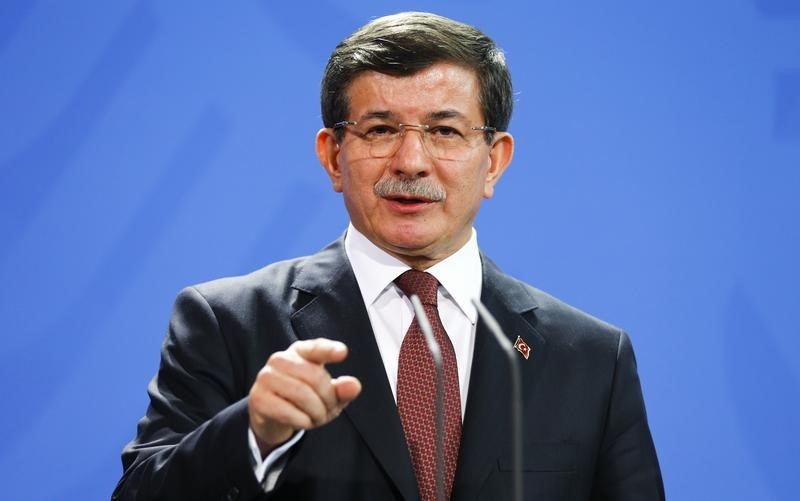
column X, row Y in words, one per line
column 469, row 188
column 359, row 188
column 461, row 197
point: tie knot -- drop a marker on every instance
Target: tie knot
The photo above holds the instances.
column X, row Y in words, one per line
column 421, row 283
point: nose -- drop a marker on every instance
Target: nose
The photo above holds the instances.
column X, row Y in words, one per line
column 412, row 158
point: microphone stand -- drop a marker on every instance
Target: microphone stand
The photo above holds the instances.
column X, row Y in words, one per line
column 516, row 395
column 436, row 354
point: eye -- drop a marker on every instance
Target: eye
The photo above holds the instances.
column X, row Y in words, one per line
column 445, row 132
column 380, row 131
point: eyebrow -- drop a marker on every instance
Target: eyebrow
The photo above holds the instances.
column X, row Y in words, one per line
column 381, row 114
column 443, row 114
column 432, row 116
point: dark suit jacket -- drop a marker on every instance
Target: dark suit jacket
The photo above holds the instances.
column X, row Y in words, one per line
column 585, row 430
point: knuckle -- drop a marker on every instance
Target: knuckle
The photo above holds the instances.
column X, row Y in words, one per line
column 284, row 363
column 277, row 355
column 256, row 399
column 319, row 378
column 265, row 378
column 280, row 356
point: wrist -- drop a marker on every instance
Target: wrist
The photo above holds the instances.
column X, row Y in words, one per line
column 265, row 446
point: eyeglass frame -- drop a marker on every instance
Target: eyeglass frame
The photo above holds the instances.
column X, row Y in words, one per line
column 422, row 128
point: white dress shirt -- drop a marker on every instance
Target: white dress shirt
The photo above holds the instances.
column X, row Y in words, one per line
column 460, row 276
column 391, row 313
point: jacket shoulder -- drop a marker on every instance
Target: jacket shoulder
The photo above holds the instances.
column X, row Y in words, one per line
column 272, row 282
column 558, row 322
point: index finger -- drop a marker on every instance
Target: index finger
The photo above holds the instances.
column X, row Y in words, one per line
column 321, row 350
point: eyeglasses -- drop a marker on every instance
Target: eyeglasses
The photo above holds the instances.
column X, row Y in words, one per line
column 381, row 139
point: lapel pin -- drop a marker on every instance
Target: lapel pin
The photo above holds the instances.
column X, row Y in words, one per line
column 522, row 347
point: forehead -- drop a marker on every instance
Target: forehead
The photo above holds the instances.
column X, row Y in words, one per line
column 440, row 87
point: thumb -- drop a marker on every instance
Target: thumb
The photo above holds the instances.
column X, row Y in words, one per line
column 347, row 388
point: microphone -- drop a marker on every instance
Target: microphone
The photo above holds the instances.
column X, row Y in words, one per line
column 436, row 354
column 516, row 395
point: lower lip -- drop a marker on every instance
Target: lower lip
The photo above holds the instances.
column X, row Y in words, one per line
column 408, row 208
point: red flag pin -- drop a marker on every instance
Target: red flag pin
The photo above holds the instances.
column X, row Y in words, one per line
column 522, row 347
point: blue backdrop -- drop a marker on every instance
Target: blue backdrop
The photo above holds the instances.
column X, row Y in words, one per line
column 146, row 145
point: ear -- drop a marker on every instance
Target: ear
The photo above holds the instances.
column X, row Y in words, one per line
column 328, row 154
column 500, row 155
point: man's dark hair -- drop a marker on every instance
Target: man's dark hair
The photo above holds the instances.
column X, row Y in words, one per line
column 405, row 43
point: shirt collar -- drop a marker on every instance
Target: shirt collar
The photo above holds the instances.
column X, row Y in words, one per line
column 460, row 273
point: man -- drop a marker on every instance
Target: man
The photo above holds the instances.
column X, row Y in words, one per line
column 416, row 109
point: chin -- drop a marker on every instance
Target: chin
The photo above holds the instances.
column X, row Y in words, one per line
column 410, row 239
column 408, row 244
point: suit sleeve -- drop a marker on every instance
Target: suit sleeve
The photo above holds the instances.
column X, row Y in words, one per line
column 192, row 442
column 627, row 467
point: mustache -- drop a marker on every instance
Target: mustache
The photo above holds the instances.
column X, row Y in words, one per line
column 420, row 187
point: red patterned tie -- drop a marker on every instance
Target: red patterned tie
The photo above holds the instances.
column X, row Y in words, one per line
column 416, row 391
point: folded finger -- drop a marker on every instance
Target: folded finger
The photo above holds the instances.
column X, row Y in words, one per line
column 301, row 395
column 313, row 374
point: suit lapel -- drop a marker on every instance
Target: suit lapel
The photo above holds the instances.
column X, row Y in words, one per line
column 487, row 422
column 335, row 309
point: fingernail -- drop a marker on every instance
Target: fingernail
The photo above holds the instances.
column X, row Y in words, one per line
column 339, row 347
